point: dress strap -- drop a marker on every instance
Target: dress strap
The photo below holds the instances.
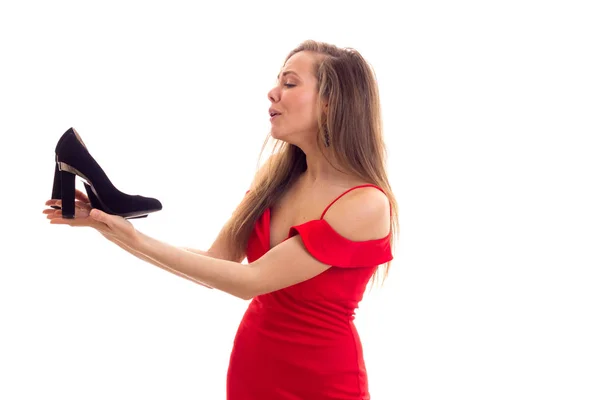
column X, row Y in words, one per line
column 355, row 187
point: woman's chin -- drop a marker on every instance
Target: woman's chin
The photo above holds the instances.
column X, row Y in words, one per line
column 276, row 135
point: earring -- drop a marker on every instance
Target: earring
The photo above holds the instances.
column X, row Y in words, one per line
column 326, row 137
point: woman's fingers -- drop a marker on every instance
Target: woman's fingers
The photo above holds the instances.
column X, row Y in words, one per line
column 52, row 213
column 82, row 210
column 79, row 195
column 83, row 205
column 81, row 219
column 78, row 203
column 54, row 202
column 82, row 215
column 58, row 219
column 57, row 214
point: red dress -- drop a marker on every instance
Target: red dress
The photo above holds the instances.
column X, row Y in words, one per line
column 300, row 342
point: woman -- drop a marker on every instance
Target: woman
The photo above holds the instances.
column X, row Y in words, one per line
column 315, row 225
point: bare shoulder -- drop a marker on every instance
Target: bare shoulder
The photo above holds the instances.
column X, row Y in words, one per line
column 361, row 214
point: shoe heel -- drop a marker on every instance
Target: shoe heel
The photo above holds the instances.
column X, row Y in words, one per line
column 67, row 192
column 56, row 185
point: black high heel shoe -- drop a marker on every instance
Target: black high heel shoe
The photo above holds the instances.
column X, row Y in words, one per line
column 73, row 159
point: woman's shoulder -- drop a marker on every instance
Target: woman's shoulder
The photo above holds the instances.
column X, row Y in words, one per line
column 354, row 231
column 361, row 213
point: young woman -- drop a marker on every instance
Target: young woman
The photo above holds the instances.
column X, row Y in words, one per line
column 316, row 225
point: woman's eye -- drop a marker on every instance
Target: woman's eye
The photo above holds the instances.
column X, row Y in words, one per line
column 288, row 85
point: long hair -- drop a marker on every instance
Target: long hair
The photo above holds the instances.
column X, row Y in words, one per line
column 353, row 120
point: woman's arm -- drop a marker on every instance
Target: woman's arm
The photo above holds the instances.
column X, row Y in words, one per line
column 143, row 257
column 286, row 264
column 228, row 276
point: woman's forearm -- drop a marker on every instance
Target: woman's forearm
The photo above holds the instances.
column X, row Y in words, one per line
column 143, row 257
column 225, row 275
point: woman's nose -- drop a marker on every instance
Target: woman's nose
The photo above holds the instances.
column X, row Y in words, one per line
column 273, row 94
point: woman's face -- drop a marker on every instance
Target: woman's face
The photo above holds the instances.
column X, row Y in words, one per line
column 295, row 99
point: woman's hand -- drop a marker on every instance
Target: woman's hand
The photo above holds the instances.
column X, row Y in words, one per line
column 115, row 228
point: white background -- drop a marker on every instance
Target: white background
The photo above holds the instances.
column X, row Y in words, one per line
column 491, row 116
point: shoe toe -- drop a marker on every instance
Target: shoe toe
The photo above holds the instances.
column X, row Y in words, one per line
column 155, row 204
column 150, row 203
